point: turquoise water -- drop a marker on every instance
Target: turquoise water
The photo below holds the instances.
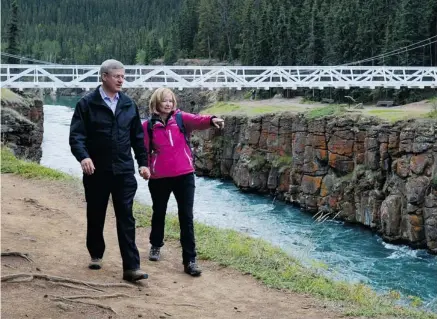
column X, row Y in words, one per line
column 352, row 253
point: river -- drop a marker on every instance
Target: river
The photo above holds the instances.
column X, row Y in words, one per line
column 351, row 253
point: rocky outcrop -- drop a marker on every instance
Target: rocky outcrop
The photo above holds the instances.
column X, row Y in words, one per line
column 22, row 125
column 360, row 170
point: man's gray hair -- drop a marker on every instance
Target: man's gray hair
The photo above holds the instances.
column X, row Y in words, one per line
column 109, row 65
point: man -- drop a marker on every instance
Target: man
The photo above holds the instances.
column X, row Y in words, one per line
column 105, row 126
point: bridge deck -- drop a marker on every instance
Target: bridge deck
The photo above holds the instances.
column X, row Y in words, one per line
column 22, row 76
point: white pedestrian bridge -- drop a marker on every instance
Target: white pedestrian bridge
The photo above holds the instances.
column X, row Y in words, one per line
column 21, row 76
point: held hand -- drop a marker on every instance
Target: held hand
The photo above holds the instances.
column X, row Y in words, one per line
column 218, row 122
column 87, row 166
column 144, row 172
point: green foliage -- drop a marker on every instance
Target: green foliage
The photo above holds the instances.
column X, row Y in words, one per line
column 221, row 108
column 171, row 44
column 253, row 32
column 415, row 301
column 13, row 32
column 389, row 115
column 93, row 31
column 10, row 164
column 282, row 162
column 329, row 110
column 433, row 113
column 9, row 96
column 154, row 47
column 226, row 108
column 257, row 162
column 141, row 57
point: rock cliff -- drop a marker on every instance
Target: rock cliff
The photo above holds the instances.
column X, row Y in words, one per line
column 360, row 170
column 22, row 125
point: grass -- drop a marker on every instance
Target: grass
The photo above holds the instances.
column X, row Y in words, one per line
column 276, row 269
column 10, row 164
column 256, row 163
column 225, row 108
column 282, row 162
column 255, row 108
column 433, row 113
column 329, row 110
column 393, row 115
column 10, row 96
column 256, row 257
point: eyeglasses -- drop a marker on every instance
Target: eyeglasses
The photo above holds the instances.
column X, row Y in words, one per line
column 116, row 76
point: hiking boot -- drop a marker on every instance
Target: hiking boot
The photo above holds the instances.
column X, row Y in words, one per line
column 192, row 269
column 154, row 253
column 95, row 264
column 134, row 275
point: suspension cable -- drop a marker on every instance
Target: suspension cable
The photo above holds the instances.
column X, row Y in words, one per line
column 25, row 58
column 393, row 52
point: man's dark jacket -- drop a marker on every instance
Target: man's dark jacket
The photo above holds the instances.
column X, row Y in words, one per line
column 107, row 139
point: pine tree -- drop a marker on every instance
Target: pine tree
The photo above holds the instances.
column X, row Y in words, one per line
column 187, row 27
column 247, row 34
column 12, row 33
column 280, row 39
column 171, row 46
column 154, row 47
column 140, row 58
column 206, row 39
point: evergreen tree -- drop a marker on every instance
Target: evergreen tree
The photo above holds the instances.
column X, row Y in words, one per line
column 206, row 38
column 154, row 47
column 280, row 39
column 171, row 45
column 262, row 50
column 140, row 58
column 187, row 27
column 12, row 33
column 247, row 34
column 227, row 12
column 253, row 32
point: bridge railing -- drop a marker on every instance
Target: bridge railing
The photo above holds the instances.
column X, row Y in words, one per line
column 211, row 77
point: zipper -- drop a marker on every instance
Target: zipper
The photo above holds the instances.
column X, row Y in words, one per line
column 171, row 138
column 154, row 163
column 189, row 158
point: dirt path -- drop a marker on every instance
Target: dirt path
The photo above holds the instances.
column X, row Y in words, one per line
column 47, row 221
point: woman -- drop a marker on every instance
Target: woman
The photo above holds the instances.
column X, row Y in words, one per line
column 172, row 170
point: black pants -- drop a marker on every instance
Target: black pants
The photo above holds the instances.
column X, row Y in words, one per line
column 97, row 189
column 183, row 189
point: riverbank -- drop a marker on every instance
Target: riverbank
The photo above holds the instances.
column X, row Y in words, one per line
column 336, row 162
column 34, row 197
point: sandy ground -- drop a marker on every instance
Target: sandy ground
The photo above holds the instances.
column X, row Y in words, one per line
column 46, row 220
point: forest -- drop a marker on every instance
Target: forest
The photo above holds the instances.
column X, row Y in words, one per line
column 247, row 32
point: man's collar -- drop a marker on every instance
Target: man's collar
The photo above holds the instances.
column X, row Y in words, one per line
column 105, row 96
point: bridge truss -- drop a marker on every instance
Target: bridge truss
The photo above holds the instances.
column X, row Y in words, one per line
column 21, row 76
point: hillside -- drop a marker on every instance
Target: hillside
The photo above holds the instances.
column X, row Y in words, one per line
column 255, row 32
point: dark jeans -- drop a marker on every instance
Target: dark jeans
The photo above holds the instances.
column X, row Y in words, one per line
column 122, row 188
column 183, row 189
